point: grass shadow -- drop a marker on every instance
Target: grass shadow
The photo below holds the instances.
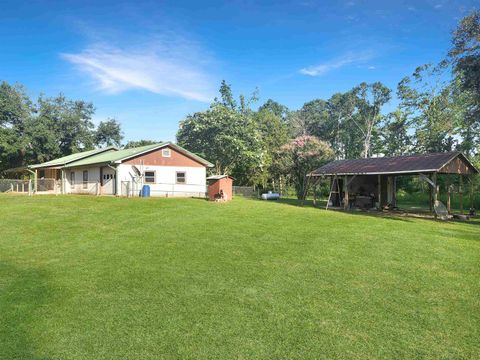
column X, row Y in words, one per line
column 22, row 292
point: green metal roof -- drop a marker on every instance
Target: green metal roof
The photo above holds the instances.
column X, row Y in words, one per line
column 120, row 155
column 73, row 157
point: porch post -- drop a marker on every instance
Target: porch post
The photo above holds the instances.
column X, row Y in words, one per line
column 380, row 192
column 460, row 193
column 345, row 189
column 472, row 179
column 35, row 181
column 394, row 191
column 435, row 192
column 62, row 180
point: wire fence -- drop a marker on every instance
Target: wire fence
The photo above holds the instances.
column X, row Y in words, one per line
column 48, row 185
column 16, row 186
column 247, row 191
column 133, row 189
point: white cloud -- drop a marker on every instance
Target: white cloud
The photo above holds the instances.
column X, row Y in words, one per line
column 165, row 67
column 371, row 67
column 348, row 59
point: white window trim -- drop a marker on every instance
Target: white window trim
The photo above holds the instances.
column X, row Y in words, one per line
column 84, row 183
column 168, row 151
column 154, row 177
column 184, row 176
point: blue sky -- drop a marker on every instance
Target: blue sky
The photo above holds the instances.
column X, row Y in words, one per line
column 150, row 63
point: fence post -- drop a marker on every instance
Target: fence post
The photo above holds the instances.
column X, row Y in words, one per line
column 30, row 187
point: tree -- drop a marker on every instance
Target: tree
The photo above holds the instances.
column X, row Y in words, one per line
column 394, row 133
column 341, row 109
column 134, row 144
column 429, row 101
column 301, row 156
column 226, row 96
column 108, row 133
column 465, row 57
column 370, row 99
column 71, row 120
column 275, row 108
column 225, row 136
column 273, row 134
column 15, row 112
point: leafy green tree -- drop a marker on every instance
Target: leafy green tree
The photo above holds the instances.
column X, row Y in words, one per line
column 370, row 99
column 465, row 57
column 301, row 156
column 226, row 96
column 15, row 112
column 108, row 133
column 227, row 138
column 428, row 99
column 134, row 144
column 273, row 134
column 70, row 119
column 275, row 108
column 395, row 137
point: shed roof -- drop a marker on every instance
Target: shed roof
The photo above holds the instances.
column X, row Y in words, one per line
column 407, row 164
column 125, row 154
column 218, row 177
column 73, row 157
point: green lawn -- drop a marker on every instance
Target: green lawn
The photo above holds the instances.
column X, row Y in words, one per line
column 100, row 278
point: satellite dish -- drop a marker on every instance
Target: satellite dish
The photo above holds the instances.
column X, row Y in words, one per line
column 136, row 170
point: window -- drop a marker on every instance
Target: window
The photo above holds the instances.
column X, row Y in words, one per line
column 72, row 179
column 41, row 174
column 85, row 179
column 149, row 177
column 181, row 177
column 166, row 152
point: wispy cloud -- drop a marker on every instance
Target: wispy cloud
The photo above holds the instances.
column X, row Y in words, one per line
column 160, row 65
column 348, row 59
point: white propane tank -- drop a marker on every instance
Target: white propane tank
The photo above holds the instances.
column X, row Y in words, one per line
column 270, row 196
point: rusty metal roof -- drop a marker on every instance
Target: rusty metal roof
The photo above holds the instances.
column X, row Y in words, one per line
column 406, row 164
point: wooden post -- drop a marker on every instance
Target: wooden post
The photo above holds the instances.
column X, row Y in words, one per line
column 435, row 192
column 315, row 193
column 345, row 189
column 35, row 181
column 460, row 194
column 449, row 199
column 472, row 179
column 430, row 196
column 380, row 192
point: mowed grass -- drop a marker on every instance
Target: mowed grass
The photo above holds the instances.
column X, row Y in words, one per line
column 113, row 278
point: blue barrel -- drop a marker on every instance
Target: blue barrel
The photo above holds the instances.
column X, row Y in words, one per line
column 146, row 191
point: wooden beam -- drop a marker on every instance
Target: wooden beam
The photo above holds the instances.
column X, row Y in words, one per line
column 472, row 179
column 380, row 192
column 435, row 193
column 449, row 196
column 345, row 189
column 332, row 178
column 460, row 193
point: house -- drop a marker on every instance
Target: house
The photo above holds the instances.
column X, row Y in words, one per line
column 371, row 182
column 168, row 169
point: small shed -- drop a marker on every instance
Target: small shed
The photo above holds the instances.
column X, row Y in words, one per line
column 220, row 188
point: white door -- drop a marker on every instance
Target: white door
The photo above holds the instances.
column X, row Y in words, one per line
column 108, row 181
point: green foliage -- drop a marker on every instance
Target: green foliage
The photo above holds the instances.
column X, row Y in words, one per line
column 134, row 144
column 239, row 141
column 108, row 133
column 50, row 128
column 428, row 100
column 394, row 133
column 301, row 156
